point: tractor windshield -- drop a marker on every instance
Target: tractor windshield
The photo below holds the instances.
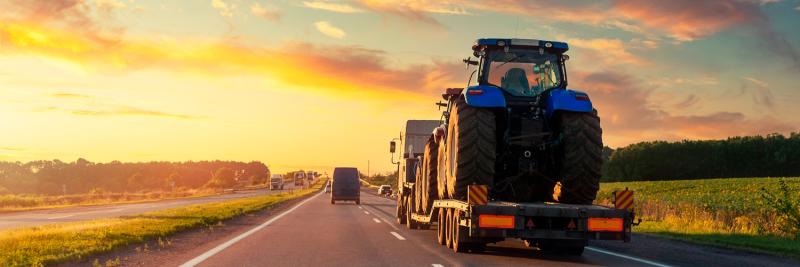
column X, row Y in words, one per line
column 522, row 72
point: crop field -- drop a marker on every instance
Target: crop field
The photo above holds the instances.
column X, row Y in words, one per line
column 730, row 212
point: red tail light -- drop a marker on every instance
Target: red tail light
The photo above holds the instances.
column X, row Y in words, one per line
column 475, row 92
column 582, row 97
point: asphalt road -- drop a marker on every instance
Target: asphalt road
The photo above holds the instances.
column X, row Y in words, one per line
column 72, row 214
column 316, row 233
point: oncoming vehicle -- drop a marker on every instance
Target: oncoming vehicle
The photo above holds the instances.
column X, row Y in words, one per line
column 385, row 190
column 276, row 182
column 345, row 185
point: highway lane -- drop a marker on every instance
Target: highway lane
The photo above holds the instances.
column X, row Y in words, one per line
column 11, row 220
column 317, row 233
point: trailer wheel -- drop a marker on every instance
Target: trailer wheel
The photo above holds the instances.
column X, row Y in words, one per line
column 580, row 157
column 440, row 227
column 458, row 243
column 448, row 226
column 471, row 148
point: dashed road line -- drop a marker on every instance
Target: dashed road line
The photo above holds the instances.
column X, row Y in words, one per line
column 366, row 212
column 627, row 257
column 437, row 265
column 61, row 217
column 398, row 236
column 376, row 220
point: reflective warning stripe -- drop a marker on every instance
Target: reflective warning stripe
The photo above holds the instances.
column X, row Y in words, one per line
column 477, row 194
column 623, row 199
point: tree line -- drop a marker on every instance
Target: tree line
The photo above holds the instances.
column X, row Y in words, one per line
column 82, row 176
column 774, row 155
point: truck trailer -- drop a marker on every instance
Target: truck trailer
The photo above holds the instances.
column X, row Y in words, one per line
column 517, row 155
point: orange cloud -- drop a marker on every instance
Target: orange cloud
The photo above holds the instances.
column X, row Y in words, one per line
column 628, row 115
column 687, row 20
column 609, row 51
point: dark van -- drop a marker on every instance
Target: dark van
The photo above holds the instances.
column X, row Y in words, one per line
column 345, row 185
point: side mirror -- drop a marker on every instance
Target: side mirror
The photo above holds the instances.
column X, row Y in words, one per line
column 392, row 147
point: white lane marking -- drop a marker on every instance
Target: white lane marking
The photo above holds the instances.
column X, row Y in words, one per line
column 61, row 217
column 400, row 237
column 360, row 207
column 376, row 220
column 223, row 246
column 437, row 265
column 366, row 212
column 384, row 219
column 627, row 257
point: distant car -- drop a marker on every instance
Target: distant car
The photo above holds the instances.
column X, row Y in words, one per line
column 385, row 190
column 345, row 185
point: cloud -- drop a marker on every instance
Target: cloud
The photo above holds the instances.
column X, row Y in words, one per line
column 690, row 101
column 687, row 20
column 762, row 95
column 11, row 148
column 331, row 6
column 225, row 9
column 119, row 111
column 265, row 13
column 627, row 113
column 610, row 51
column 109, row 5
column 329, row 30
column 416, row 10
column 69, row 95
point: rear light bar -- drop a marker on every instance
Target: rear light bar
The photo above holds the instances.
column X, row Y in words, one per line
column 605, row 224
column 496, row 221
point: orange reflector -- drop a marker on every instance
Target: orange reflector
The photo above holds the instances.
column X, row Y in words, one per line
column 496, row 221
column 605, row 224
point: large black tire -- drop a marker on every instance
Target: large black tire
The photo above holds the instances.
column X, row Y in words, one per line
column 400, row 209
column 428, row 178
column 580, row 157
column 470, row 148
column 441, row 181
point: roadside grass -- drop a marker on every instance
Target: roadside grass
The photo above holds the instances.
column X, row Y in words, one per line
column 724, row 212
column 36, row 202
column 56, row 243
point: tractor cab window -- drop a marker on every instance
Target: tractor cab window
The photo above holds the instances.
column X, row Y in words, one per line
column 522, row 72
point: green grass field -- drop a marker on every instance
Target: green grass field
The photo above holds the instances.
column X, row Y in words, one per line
column 726, row 212
column 57, row 243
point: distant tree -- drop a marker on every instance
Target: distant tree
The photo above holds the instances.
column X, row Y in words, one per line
column 135, row 182
column 223, row 178
column 4, row 191
column 171, row 180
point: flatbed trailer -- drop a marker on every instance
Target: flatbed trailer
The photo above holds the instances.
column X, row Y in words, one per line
column 549, row 226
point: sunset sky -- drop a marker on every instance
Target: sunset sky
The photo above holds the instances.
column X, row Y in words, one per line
column 317, row 84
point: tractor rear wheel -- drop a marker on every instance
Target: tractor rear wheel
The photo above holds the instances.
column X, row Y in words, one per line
column 441, row 180
column 428, row 178
column 470, row 148
column 580, row 157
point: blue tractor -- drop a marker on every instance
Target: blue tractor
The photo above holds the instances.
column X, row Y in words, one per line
column 517, row 129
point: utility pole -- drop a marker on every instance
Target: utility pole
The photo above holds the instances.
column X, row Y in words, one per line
column 367, row 168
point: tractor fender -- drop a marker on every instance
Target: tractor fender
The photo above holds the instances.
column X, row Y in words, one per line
column 484, row 96
column 567, row 100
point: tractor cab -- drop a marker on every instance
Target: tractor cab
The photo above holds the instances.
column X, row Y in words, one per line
column 521, row 67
